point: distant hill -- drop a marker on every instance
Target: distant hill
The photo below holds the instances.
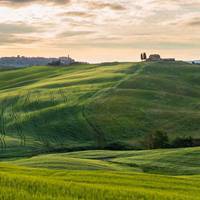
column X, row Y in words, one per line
column 194, row 62
column 22, row 61
column 197, row 61
column 93, row 106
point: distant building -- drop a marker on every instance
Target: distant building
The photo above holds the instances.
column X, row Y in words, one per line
column 21, row 61
column 157, row 57
column 154, row 57
column 66, row 60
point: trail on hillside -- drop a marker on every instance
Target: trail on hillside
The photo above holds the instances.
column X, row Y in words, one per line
column 103, row 93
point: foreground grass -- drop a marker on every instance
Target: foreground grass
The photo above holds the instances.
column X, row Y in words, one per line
column 103, row 175
column 26, row 183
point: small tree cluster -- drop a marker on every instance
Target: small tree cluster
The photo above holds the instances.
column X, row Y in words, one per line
column 183, row 142
column 143, row 56
column 159, row 139
column 55, row 63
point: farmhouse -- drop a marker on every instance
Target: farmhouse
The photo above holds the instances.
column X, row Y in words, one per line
column 157, row 57
column 154, row 57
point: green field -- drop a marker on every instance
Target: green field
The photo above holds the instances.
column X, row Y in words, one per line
column 49, row 115
column 104, row 175
column 89, row 185
column 87, row 106
column 167, row 161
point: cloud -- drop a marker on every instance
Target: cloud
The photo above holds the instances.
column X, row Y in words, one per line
column 19, row 28
column 75, row 33
column 194, row 22
column 20, row 3
column 187, row 20
column 12, row 39
column 77, row 14
column 20, row 33
column 112, row 6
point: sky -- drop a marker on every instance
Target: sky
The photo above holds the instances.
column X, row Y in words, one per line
column 96, row 31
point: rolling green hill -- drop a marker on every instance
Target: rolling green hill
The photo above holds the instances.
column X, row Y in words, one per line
column 91, row 106
column 166, row 161
column 101, row 175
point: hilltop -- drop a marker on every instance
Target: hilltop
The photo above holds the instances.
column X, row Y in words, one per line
column 93, row 106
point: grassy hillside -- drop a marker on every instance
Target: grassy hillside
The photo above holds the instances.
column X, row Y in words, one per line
column 172, row 161
column 103, row 175
column 91, row 106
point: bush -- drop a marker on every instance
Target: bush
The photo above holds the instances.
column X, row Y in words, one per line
column 157, row 140
column 183, row 142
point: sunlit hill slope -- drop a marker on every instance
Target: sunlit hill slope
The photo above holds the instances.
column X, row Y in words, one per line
column 93, row 106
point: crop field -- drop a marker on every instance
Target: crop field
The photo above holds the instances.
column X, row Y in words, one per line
column 103, row 175
column 91, row 106
column 87, row 185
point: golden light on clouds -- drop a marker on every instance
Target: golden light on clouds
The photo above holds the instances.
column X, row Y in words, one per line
column 100, row 30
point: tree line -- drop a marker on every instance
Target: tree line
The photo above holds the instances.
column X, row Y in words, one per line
column 160, row 139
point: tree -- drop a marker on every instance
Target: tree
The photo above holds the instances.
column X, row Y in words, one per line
column 55, row 63
column 145, row 56
column 142, row 58
column 158, row 139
